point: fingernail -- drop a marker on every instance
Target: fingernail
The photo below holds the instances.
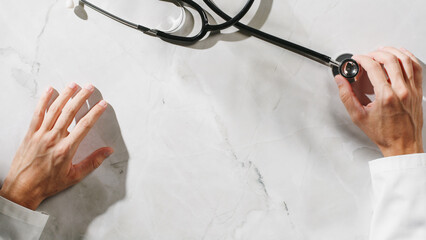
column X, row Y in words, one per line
column 89, row 87
column 103, row 103
column 49, row 89
column 72, row 85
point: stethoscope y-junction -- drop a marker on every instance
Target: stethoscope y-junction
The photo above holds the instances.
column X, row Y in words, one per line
column 344, row 64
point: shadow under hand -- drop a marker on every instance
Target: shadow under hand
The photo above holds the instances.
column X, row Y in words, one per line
column 72, row 211
column 363, row 88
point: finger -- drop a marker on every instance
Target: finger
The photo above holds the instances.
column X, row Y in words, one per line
column 405, row 61
column 374, row 71
column 72, row 107
column 393, row 68
column 410, row 54
column 86, row 123
column 85, row 167
column 40, row 111
column 418, row 78
column 57, row 106
column 349, row 99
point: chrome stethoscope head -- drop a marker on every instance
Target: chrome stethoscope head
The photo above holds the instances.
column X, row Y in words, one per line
column 345, row 66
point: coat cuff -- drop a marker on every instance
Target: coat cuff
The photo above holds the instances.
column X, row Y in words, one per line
column 18, row 212
column 398, row 163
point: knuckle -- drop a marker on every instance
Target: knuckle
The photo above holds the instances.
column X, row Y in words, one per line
column 344, row 96
column 62, row 150
column 39, row 114
column 75, row 177
column 376, row 65
column 54, row 108
column 406, row 60
column 392, row 59
column 50, row 138
column 36, row 138
column 388, row 97
column 387, row 100
column 404, row 94
column 357, row 117
column 96, row 163
column 69, row 111
column 85, row 123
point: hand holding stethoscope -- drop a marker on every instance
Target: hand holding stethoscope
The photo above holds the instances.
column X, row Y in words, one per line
column 343, row 65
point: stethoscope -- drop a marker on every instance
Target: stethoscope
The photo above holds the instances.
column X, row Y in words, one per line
column 343, row 65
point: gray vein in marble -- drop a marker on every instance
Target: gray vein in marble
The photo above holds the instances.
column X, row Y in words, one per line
column 293, row 226
column 224, row 133
column 230, row 148
column 37, row 65
column 260, row 179
column 21, row 76
column 278, row 103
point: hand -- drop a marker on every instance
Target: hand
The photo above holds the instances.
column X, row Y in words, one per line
column 43, row 164
column 394, row 120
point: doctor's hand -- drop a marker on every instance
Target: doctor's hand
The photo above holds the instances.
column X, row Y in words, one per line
column 394, row 120
column 43, row 164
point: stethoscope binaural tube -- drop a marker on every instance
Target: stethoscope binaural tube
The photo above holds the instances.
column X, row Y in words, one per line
column 205, row 26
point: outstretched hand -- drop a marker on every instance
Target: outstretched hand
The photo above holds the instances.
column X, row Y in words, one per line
column 43, row 164
column 394, row 120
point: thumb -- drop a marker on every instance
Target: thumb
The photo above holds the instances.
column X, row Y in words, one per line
column 349, row 99
column 93, row 161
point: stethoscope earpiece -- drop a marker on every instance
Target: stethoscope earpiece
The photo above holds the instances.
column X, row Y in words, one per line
column 80, row 11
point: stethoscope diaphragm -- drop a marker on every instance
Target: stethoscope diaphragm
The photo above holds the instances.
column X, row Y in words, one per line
column 347, row 67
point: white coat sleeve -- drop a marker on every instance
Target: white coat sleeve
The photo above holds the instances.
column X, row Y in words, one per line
column 399, row 187
column 17, row 222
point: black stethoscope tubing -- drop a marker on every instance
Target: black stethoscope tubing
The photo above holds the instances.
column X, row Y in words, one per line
column 205, row 26
column 306, row 52
column 345, row 66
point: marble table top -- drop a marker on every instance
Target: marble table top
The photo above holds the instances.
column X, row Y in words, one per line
column 229, row 138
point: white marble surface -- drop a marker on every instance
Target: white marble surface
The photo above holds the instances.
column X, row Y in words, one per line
column 232, row 138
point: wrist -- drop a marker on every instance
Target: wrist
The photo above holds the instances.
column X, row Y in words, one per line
column 401, row 150
column 24, row 199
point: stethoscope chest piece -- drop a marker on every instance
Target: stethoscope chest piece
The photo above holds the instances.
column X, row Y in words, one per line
column 348, row 67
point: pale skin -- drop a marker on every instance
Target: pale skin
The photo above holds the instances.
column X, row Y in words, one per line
column 394, row 120
column 43, row 164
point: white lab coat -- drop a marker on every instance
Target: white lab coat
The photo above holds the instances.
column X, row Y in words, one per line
column 17, row 222
column 399, row 186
